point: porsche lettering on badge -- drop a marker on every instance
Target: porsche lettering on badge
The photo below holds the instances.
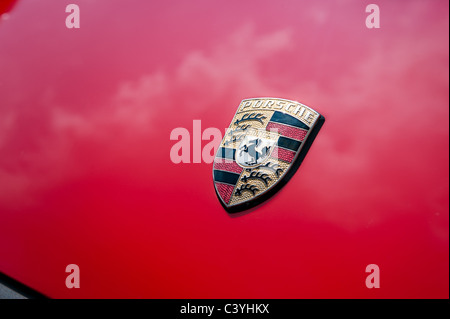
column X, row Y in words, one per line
column 261, row 150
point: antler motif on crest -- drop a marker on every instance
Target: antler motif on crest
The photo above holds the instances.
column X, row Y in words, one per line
column 239, row 129
column 258, row 176
column 246, row 187
column 233, row 139
column 273, row 167
column 251, row 117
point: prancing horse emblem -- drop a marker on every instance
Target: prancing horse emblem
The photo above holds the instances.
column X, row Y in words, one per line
column 254, row 150
column 262, row 149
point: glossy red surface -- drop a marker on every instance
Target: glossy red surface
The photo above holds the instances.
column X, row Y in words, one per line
column 86, row 176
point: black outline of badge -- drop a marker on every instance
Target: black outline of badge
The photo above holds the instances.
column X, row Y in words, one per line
column 304, row 148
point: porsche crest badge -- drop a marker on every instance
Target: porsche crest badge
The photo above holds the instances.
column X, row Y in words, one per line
column 261, row 150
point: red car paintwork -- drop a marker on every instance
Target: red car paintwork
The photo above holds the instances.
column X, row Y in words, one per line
column 86, row 177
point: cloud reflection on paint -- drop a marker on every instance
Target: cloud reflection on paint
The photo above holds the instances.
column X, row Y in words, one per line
column 373, row 108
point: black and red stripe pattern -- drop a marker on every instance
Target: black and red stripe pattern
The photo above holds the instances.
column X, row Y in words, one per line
column 292, row 132
column 226, row 172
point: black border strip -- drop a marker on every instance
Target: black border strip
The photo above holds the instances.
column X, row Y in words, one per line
column 288, row 143
column 20, row 288
column 226, row 177
column 283, row 118
column 276, row 308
